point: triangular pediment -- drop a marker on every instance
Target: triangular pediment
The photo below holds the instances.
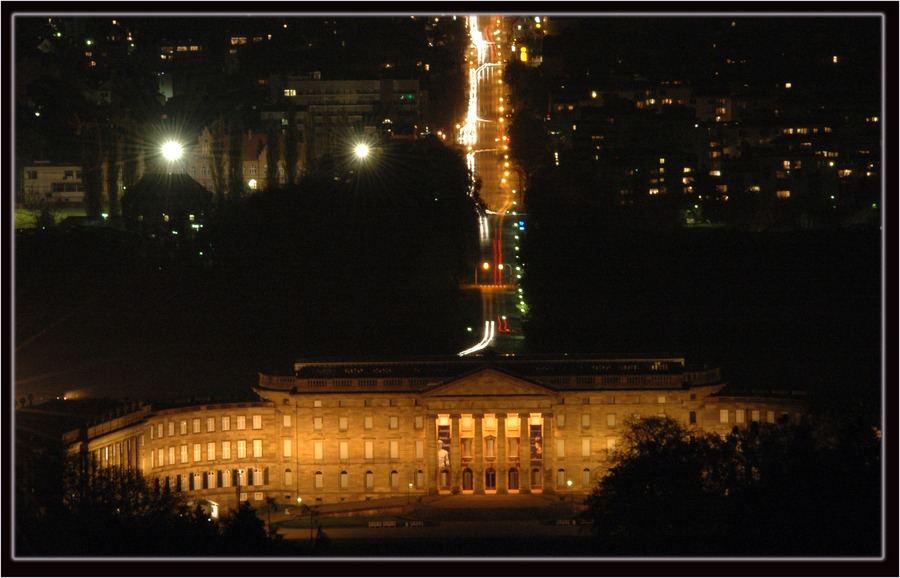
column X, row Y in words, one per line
column 488, row 382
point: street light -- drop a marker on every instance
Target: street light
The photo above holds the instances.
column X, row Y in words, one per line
column 571, row 494
column 361, row 150
column 408, row 489
column 172, row 150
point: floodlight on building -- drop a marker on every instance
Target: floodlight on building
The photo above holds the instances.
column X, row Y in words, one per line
column 361, row 150
column 172, row 150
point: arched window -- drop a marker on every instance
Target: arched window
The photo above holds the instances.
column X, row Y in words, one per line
column 513, row 479
column 256, row 477
column 536, row 478
column 561, row 479
column 344, row 480
column 490, row 479
column 198, row 480
column 370, row 480
column 227, row 478
column 467, row 479
column 586, row 477
column 242, row 477
column 211, row 480
column 395, row 479
column 420, row 479
column 320, row 481
column 288, row 477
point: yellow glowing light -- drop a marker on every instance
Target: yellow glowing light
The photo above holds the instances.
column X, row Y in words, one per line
column 485, row 265
column 172, row 150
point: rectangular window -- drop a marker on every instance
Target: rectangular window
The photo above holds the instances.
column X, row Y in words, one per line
column 586, row 478
column 317, row 423
column 723, row 416
column 184, row 453
column 198, row 453
column 369, row 422
column 226, row 423
column 395, row 450
column 160, row 457
column 257, row 422
column 171, row 455
column 754, row 415
column 586, row 448
column 317, row 403
column 195, row 425
column 561, row 449
column 287, row 448
column 611, row 445
column 182, row 427
column 210, row 450
column 159, row 430
column 370, row 450
column 560, row 420
column 661, row 399
column 420, row 449
column 242, row 449
column 344, row 450
column 226, row 450
column 318, row 450
column 210, row 424
column 420, row 422
column 342, row 423
column 770, row 416
column 395, row 422
column 286, row 420
column 739, row 416
column 585, row 420
column 257, row 448
column 610, row 420
column 692, row 417
column 241, row 422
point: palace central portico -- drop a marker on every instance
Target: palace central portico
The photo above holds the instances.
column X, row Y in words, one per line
column 335, row 431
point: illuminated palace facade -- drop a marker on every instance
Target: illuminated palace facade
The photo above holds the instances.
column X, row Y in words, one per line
column 351, row 430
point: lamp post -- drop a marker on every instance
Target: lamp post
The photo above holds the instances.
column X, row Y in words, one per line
column 408, row 490
column 571, row 494
column 310, row 510
column 237, row 486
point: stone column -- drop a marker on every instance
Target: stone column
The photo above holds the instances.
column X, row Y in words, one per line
column 501, row 454
column 478, row 486
column 524, row 456
column 455, row 455
column 431, row 465
column 549, row 453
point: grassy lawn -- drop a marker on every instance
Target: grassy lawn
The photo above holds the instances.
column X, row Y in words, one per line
column 25, row 217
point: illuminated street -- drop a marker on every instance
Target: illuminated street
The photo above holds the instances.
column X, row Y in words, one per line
column 487, row 144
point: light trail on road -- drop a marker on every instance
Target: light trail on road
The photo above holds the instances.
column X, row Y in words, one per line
column 483, row 134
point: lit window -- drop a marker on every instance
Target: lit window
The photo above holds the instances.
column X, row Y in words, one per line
column 226, row 450
column 395, row 449
column 586, row 448
column 739, row 416
column 561, row 449
column 171, row 455
column 210, row 424
column 226, row 423
column 342, row 423
column 257, row 422
column 344, row 448
column 242, row 449
column 420, row 422
column 182, row 427
column 610, row 420
column 197, row 453
column 723, row 416
column 370, row 450
column 257, row 448
column 783, row 194
column 287, row 448
column 184, row 453
column 211, row 451
column 561, row 420
column 290, row 92
column 286, row 420
column 369, row 422
column 241, row 422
